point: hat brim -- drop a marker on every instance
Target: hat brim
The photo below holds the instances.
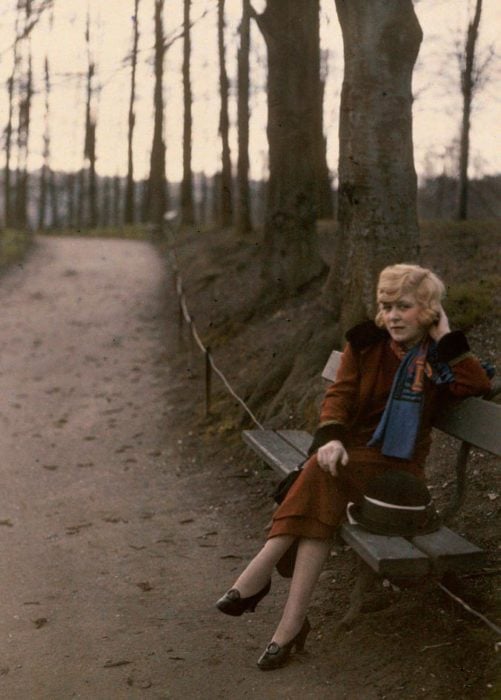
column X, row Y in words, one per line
column 355, row 515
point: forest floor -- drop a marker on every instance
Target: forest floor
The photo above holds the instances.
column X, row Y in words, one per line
column 125, row 511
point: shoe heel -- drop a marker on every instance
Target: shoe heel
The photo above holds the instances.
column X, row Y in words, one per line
column 302, row 635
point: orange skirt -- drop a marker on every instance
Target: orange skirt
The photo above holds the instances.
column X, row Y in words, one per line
column 316, row 503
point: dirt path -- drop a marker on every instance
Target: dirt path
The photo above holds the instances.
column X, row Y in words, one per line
column 112, row 550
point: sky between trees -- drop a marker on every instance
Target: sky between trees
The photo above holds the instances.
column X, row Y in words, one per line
column 436, row 85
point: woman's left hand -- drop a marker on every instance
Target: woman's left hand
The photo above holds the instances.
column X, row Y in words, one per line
column 441, row 327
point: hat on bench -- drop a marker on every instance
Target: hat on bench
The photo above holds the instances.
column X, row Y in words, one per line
column 396, row 503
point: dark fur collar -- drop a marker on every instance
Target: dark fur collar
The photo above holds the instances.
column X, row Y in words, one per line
column 364, row 334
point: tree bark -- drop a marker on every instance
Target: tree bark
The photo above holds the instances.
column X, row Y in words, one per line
column 244, row 224
column 129, row 212
column 226, row 205
column 377, row 180
column 468, row 81
column 156, row 203
column 187, row 210
column 291, row 32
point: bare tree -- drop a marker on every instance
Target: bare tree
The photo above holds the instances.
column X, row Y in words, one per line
column 377, row 180
column 470, row 77
column 9, row 129
column 187, row 210
column 129, row 212
column 90, row 131
column 226, row 206
column 44, row 174
column 244, row 224
column 23, row 127
column 156, row 196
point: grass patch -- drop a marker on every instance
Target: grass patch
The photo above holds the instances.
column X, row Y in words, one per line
column 138, row 232
column 13, row 246
column 471, row 302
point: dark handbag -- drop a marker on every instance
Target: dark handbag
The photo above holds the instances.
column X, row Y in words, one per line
column 282, row 489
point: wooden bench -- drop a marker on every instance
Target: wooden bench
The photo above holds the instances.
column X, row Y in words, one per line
column 474, row 421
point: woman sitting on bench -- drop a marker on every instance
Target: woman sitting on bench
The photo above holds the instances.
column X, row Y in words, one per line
column 369, row 424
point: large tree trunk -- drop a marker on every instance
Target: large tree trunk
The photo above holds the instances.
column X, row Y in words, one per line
column 129, row 187
column 244, row 224
column 157, row 187
column 377, row 181
column 467, row 89
column 187, row 212
column 291, row 32
column 226, row 206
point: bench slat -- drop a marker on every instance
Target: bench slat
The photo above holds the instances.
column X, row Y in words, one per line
column 301, row 439
column 389, row 556
column 277, row 453
column 448, row 550
column 331, row 367
column 474, row 420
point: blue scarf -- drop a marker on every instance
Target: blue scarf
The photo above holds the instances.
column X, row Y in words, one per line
column 398, row 428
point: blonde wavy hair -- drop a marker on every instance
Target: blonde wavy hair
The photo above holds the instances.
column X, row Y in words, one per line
column 423, row 284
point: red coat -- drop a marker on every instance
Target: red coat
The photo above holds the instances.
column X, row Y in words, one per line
column 352, row 407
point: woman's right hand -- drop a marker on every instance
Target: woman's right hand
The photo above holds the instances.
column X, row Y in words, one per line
column 330, row 455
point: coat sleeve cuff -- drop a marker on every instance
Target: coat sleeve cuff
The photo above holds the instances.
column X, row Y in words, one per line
column 326, row 433
column 451, row 346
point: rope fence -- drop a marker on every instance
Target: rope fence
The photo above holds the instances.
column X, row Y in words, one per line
column 184, row 314
column 485, row 620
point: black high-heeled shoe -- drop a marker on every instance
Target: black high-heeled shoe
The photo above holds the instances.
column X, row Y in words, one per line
column 232, row 604
column 275, row 656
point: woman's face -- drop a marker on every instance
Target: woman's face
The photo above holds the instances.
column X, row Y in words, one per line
column 401, row 319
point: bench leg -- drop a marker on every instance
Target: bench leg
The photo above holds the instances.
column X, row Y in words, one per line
column 366, row 577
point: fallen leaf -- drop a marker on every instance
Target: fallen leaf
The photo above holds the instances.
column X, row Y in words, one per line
column 114, row 664
column 40, row 622
column 75, row 529
column 493, row 496
column 145, row 586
